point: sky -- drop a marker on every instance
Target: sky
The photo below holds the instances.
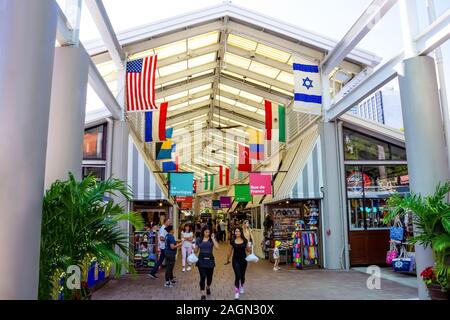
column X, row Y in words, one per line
column 330, row 18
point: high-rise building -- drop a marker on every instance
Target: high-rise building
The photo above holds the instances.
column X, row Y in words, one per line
column 384, row 106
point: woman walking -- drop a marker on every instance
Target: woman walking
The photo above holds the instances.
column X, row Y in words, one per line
column 204, row 248
column 239, row 249
column 186, row 249
column 171, row 252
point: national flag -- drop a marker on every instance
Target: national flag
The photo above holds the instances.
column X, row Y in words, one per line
column 275, row 120
column 244, row 159
column 220, row 175
column 224, row 176
column 169, row 166
column 232, row 169
column 155, row 124
column 307, row 88
column 140, row 86
column 164, row 149
column 256, row 142
column 206, row 181
column 211, row 182
column 227, row 176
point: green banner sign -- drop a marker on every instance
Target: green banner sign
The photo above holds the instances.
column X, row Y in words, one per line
column 242, row 193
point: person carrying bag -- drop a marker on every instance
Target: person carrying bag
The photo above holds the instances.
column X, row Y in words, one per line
column 206, row 262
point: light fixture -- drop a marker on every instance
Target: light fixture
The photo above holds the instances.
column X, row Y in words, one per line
column 160, row 204
column 287, row 201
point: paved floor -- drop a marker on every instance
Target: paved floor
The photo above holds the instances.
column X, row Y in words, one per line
column 262, row 283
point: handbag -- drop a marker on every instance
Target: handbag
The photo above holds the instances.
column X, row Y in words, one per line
column 192, row 258
column 396, row 231
column 403, row 262
column 252, row 257
column 391, row 254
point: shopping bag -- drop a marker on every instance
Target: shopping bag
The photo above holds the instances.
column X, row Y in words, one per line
column 252, row 257
column 396, row 231
column 192, row 258
column 391, row 254
column 403, row 262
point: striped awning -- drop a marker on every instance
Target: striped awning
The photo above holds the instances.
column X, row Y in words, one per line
column 140, row 178
column 303, row 163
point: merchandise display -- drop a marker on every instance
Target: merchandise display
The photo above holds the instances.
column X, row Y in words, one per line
column 145, row 250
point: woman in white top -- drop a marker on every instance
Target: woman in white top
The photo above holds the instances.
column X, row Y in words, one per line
column 187, row 237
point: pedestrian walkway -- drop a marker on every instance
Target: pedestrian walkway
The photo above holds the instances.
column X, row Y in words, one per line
column 262, row 284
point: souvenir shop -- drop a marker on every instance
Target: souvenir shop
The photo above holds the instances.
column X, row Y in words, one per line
column 295, row 226
column 375, row 169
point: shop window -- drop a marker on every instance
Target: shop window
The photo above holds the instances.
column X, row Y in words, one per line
column 358, row 146
column 97, row 172
column 94, row 143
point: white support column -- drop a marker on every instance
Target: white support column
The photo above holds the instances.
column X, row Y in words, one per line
column 25, row 86
column 67, row 112
column 424, row 137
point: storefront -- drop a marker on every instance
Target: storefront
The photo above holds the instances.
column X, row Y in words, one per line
column 375, row 168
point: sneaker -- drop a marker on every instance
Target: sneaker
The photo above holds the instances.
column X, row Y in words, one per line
column 241, row 290
column 278, row 268
column 153, row 276
column 173, row 281
column 203, row 297
column 275, row 269
column 184, row 269
column 188, row 269
column 168, row 284
column 236, row 296
column 208, row 291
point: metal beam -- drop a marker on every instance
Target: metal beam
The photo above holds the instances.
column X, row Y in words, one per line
column 190, row 108
column 193, row 96
column 251, row 122
column 186, row 73
column 374, row 12
column 240, row 111
column 162, row 93
column 434, row 35
column 96, row 81
column 104, row 26
column 240, row 99
column 254, row 90
column 186, row 116
column 370, row 84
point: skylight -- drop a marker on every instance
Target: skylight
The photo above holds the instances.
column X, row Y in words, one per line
column 203, row 40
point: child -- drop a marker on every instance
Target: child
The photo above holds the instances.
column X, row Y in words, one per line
column 276, row 256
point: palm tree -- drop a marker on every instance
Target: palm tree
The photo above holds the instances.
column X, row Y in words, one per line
column 80, row 223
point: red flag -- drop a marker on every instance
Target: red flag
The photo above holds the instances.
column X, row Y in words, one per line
column 227, row 176
column 176, row 163
column 221, row 175
column 268, row 109
column 140, row 87
column 244, row 159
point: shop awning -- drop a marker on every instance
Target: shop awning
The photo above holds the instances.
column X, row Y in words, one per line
column 140, row 178
column 303, row 163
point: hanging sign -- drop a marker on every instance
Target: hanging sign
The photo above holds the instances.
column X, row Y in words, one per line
column 225, row 202
column 260, row 183
column 183, row 199
column 180, row 184
column 216, row 204
column 242, row 193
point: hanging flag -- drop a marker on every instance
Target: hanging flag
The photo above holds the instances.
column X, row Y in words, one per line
column 220, row 175
column 232, row 170
column 164, row 149
column 169, row 166
column 275, row 120
column 227, row 176
column 177, row 164
column 140, row 86
column 308, row 89
column 206, row 181
column 155, row 124
column 256, row 142
column 242, row 193
column 244, row 159
column 211, row 182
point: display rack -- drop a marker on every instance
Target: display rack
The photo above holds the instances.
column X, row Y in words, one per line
column 145, row 250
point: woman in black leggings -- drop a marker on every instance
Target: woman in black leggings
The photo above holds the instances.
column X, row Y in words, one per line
column 239, row 250
column 204, row 248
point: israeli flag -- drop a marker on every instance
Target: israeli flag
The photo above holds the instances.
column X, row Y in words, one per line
column 308, row 89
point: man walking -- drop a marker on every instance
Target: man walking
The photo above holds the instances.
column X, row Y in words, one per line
column 162, row 248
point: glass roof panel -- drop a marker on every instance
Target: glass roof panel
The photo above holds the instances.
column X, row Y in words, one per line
column 195, row 75
column 246, row 106
column 259, row 83
column 171, row 49
column 286, row 77
column 224, row 87
column 241, row 42
column 288, row 93
column 273, row 53
column 106, row 68
column 178, row 106
column 226, row 100
column 237, row 60
column 198, row 100
column 261, row 112
column 173, row 68
column 200, row 88
column 174, row 81
column 251, row 96
column 263, row 69
column 203, row 40
column 232, row 74
column 198, row 61
column 177, row 96
column 142, row 54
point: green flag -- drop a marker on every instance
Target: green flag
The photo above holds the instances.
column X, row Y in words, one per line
column 282, row 123
column 211, row 185
column 206, row 181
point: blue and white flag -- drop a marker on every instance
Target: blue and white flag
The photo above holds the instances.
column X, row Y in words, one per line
column 308, row 88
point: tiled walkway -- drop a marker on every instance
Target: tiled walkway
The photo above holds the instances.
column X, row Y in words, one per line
column 262, row 283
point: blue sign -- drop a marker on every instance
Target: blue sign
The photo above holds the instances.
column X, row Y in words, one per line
column 181, row 184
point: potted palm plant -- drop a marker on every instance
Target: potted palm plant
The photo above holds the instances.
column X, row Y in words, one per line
column 432, row 228
column 80, row 222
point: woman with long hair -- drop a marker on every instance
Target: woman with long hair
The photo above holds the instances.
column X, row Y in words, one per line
column 186, row 249
column 239, row 249
column 206, row 263
column 247, row 231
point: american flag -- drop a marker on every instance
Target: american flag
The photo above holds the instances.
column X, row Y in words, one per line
column 141, row 84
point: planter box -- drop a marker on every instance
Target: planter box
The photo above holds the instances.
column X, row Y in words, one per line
column 435, row 292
